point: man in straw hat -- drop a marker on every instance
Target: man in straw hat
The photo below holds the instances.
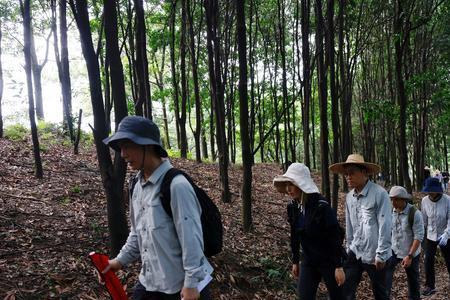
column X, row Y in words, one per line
column 368, row 215
column 436, row 217
column 407, row 234
column 314, row 226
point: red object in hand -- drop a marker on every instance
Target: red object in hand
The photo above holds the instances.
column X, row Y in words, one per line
column 113, row 285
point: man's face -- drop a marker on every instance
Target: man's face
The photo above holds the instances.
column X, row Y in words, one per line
column 293, row 191
column 132, row 154
column 355, row 176
column 398, row 203
column 434, row 196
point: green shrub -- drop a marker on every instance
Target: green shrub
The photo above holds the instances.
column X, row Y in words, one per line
column 16, row 132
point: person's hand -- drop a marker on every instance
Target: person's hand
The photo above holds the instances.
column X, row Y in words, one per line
column 443, row 239
column 295, row 271
column 189, row 294
column 406, row 262
column 113, row 265
column 379, row 265
column 340, row 276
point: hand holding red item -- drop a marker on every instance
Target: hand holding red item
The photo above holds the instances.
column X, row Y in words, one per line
column 105, row 269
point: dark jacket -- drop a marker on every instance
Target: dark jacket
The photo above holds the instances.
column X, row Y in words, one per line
column 318, row 232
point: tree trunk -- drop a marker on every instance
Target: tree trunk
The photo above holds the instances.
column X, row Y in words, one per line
column 334, row 98
column 1, row 83
column 26, row 14
column 212, row 15
column 174, row 71
column 198, row 104
column 243, row 107
column 141, row 62
column 184, row 87
column 323, row 104
column 62, row 62
column 399, row 42
column 306, row 78
column 112, row 175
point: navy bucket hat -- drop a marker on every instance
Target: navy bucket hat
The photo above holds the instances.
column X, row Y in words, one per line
column 139, row 130
column 432, row 185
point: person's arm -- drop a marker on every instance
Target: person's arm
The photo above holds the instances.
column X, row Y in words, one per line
column 333, row 234
column 292, row 211
column 418, row 234
column 384, row 217
column 186, row 213
column 423, row 209
column 348, row 226
column 447, row 230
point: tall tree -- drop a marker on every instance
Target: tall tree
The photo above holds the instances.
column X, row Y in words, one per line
column 141, row 62
column 323, row 102
column 112, row 175
column 217, row 90
column 247, row 159
column 62, row 62
column 26, row 15
column 305, row 11
column 1, row 81
column 184, row 83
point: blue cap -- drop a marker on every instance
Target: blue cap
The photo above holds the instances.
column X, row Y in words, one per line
column 139, row 130
column 432, row 185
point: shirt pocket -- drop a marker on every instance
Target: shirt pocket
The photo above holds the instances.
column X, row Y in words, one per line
column 159, row 219
column 369, row 220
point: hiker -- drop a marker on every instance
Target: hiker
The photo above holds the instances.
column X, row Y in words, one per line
column 436, row 217
column 445, row 178
column 171, row 251
column 314, row 226
column 368, row 216
column 407, row 234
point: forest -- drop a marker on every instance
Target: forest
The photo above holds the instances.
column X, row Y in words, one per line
column 241, row 88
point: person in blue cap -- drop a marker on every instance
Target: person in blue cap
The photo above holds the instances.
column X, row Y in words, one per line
column 170, row 250
column 436, row 217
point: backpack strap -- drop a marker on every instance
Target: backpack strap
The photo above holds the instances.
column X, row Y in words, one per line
column 411, row 214
column 322, row 204
column 131, row 184
column 164, row 192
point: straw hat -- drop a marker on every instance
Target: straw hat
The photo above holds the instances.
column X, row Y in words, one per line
column 355, row 159
column 299, row 175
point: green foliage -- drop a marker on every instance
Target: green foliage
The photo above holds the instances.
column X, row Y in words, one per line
column 16, row 132
column 76, row 189
column 272, row 268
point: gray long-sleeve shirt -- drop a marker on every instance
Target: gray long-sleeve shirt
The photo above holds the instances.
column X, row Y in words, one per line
column 402, row 233
column 171, row 250
column 436, row 216
column 368, row 217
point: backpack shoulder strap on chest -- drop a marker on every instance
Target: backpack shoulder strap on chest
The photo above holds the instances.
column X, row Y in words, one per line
column 411, row 214
column 164, row 192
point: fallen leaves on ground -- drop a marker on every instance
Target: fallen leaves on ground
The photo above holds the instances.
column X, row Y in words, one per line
column 48, row 227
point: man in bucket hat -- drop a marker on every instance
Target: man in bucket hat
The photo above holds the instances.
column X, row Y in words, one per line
column 171, row 251
column 436, row 217
column 368, row 215
column 314, row 226
column 407, row 234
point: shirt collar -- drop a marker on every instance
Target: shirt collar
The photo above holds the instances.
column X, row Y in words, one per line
column 158, row 173
column 364, row 191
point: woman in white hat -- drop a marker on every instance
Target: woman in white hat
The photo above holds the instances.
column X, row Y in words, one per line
column 314, row 226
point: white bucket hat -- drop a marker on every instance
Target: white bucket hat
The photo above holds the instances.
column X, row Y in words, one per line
column 399, row 192
column 299, row 175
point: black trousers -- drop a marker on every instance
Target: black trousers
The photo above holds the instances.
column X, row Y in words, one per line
column 309, row 280
column 140, row 293
column 430, row 257
column 353, row 272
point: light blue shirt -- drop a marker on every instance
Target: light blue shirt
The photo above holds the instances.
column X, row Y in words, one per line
column 368, row 218
column 436, row 216
column 171, row 250
column 402, row 233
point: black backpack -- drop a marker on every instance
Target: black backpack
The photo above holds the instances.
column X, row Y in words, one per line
column 210, row 218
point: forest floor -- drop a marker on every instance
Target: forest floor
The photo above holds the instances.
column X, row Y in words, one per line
column 48, row 227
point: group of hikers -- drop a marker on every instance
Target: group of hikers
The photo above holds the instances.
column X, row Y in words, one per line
column 382, row 230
